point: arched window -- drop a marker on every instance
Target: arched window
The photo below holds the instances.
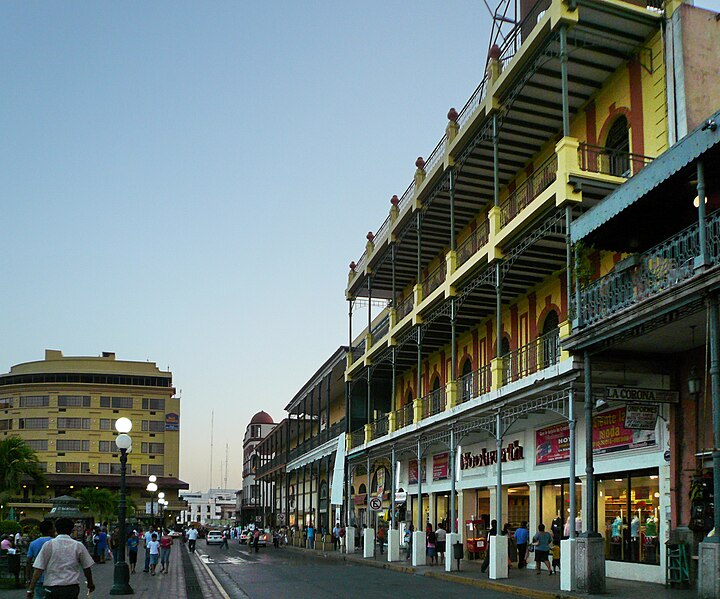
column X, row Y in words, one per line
column 552, row 322
column 381, row 478
column 467, row 387
column 362, row 490
column 409, row 398
column 550, row 342
column 436, row 383
column 504, row 346
column 617, row 147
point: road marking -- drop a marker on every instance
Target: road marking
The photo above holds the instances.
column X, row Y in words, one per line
column 222, row 560
column 215, row 581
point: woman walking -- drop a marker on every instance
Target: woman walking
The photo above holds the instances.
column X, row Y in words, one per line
column 166, row 542
column 542, row 542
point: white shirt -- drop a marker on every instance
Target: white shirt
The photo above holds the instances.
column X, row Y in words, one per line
column 63, row 559
column 192, row 534
column 440, row 534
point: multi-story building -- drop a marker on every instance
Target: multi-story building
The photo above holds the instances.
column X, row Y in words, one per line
column 463, row 392
column 65, row 409
column 216, row 506
column 252, row 509
column 272, row 453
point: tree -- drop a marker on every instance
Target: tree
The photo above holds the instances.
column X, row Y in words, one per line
column 101, row 503
column 18, row 461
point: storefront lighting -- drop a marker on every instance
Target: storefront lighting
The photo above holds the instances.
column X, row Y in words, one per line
column 694, row 382
column 696, row 201
column 619, row 480
column 656, row 495
column 653, row 477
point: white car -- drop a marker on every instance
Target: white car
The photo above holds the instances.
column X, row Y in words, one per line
column 214, row 537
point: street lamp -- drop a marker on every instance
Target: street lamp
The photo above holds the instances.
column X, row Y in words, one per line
column 121, row 573
column 161, row 503
column 152, row 488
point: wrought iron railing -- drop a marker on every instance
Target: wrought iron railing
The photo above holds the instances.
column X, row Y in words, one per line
column 473, row 103
column 407, row 196
column 358, row 350
column 474, row 384
column 522, row 30
column 436, row 155
column 404, row 307
column 404, row 416
column 661, row 267
column 532, row 357
column 476, row 240
column 433, row 402
column 317, row 440
column 528, row 190
column 597, row 159
column 435, row 278
column 357, row 438
column 380, row 427
column 380, row 329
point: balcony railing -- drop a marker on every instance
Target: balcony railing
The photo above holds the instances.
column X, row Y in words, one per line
column 474, row 384
column 404, row 307
column 357, row 438
column 532, row 357
column 358, row 350
column 404, row 416
column 596, row 159
column 541, row 178
column 473, row 103
column 664, row 266
column 521, row 31
column 318, row 440
column 433, row 402
column 434, row 279
column 380, row 427
column 476, row 240
column 380, row 329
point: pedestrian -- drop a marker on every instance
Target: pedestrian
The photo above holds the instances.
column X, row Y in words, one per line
column 521, row 541
column 256, row 539
column 381, row 537
column 311, row 536
column 491, row 533
column 430, row 541
column 61, row 561
column 225, row 535
column 542, row 541
column 153, row 548
column 116, row 543
column 192, row 536
column 102, row 545
column 555, row 557
column 147, row 538
column 440, row 534
column 166, row 542
column 47, row 532
column 336, row 536
column 408, row 541
column 132, row 547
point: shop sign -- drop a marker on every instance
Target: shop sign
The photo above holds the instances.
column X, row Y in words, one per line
column 441, row 466
column 413, row 472
column 172, row 422
column 641, row 395
column 552, row 443
column 641, row 417
column 400, row 497
column 513, row 452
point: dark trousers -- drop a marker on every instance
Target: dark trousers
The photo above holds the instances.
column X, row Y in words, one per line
column 147, row 560
column 70, row 591
column 522, row 555
column 191, row 545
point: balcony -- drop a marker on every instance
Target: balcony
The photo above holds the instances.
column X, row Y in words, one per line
column 433, row 403
column 474, row 384
column 404, row 307
column 607, row 161
column 357, row 438
column 332, row 433
column 380, row 329
column 537, row 182
column 537, row 355
column 380, row 427
column 474, row 243
column 645, row 275
column 435, row 278
column 404, row 416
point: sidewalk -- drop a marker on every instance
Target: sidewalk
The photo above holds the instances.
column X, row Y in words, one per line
column 524, row 583
column 144, row 585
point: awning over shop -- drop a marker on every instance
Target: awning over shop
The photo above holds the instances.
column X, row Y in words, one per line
column 688, row 149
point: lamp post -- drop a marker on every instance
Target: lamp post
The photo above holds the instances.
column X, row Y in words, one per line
column 152, row 488
column 121, row 573
column 161, row 503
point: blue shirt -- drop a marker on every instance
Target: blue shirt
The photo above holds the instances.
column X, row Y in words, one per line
column 521, row 536
column 34, row 549
column 132, row 544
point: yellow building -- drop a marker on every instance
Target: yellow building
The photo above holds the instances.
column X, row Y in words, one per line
column 65, row 408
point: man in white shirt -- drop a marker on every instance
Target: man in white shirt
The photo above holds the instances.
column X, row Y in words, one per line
column 147, row 537
column 440, row 541
column 192, row 536
column 62, row 560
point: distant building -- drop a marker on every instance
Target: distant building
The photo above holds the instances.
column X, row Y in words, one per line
column 216, row 506
column 252, row 507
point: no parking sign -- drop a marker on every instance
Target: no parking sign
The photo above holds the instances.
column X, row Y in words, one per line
column 375, row 504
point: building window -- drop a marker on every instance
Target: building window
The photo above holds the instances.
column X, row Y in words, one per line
column 34, row 401
column 148, row 469
column 158, row 448
column 105, row 424
column 628, row 507
column 148, row 403
column 73, row 423
column 37, row 444
column 111, row 468
column 6, row 425
column 6, row 402
column 106, row 446
column 72, row 467
column 74, row 401
column 72, row 445
column 33, row 423
column 153, row 426
column 117, row 403
column 42, row 466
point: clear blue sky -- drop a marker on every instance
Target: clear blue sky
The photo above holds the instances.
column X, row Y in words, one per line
column 186, row 182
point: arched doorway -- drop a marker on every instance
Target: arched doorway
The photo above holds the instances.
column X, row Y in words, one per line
column 467, row 388
column 617, row 147
column 550, row 340
column 508, row 367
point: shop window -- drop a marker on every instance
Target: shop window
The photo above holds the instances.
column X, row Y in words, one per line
column 628, row 509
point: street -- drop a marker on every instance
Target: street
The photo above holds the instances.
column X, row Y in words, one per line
column 284, row 572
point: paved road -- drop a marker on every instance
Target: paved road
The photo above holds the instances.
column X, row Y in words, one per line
column 276, row 573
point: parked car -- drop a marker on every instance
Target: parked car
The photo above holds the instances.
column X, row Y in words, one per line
column 213, row 537
column 244, row 535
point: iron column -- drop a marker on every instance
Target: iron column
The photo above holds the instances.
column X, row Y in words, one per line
column 589, row 468
column 419, row 477
column 571, row 425
column 701, row 213
column 498, row 486
column 564, row 79
column 453, row 516
column 393, row 486
column 715, row 395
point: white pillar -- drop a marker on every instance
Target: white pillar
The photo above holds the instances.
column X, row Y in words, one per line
column 431, row 509
column 393, row 552
column 369, row 542
column 493, row 505
column 567, row 565
column 450, row 563
column 418, row 548
column 350, row 540
column 498, row 557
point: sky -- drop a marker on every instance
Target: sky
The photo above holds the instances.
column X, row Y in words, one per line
column 187, row 182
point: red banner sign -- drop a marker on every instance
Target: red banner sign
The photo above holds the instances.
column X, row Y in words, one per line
column 552, row 443
column 413, row 472
column 441, row 466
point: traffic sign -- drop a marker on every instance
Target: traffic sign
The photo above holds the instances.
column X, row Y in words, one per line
column 375, row 504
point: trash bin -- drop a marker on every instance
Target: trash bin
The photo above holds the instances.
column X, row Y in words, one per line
column 14, row 566
column 458, row 550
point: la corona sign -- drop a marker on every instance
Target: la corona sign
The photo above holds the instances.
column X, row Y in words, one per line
column 641, row 395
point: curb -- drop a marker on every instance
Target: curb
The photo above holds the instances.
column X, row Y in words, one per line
column 464, row 580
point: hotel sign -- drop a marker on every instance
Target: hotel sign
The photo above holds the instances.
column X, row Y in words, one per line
column 641, row 395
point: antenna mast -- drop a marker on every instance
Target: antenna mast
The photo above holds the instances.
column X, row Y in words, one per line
column 212, row 423
column 226, row 466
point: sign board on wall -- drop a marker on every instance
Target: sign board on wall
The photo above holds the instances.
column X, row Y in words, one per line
column 641, row 395
column 441, row 466
column 552, row 443
column 512, row 453
column 172, row 422
column 641, row 417
column 413, row 472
